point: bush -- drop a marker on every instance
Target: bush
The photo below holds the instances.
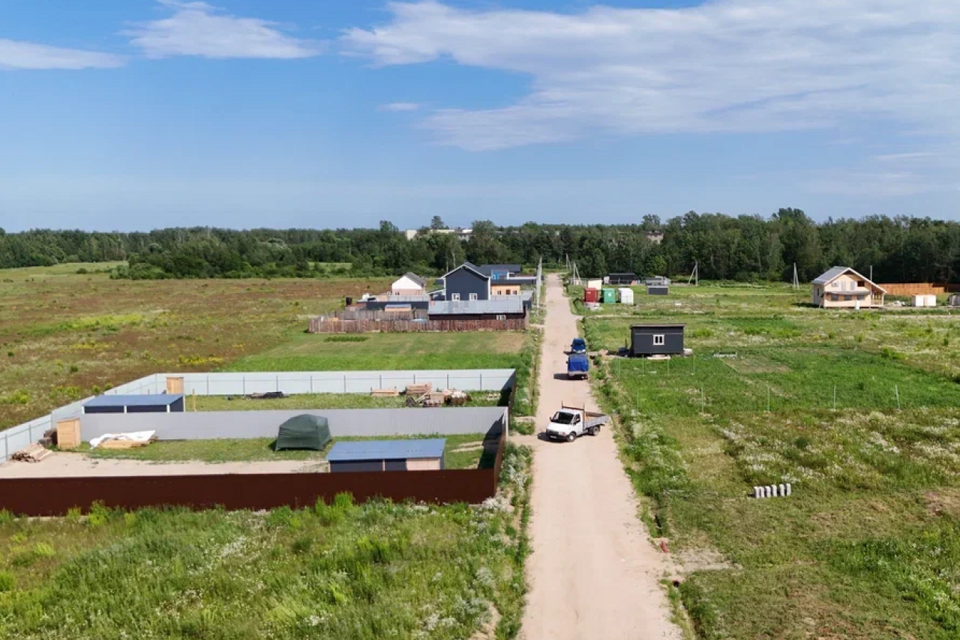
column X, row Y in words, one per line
column 7, row 582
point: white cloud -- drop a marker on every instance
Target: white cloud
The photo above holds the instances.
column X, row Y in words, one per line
column 724, row 66
column 400, row 106
column 27, row 55
column 199, row 29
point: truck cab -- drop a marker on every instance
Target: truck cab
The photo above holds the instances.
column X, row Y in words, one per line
column 579, row 346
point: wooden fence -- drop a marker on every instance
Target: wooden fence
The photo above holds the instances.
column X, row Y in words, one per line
column 325, row 324
column 920, row 288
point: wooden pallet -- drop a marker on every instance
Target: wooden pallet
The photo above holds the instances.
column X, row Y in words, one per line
column 33, row 453
column 384, row 393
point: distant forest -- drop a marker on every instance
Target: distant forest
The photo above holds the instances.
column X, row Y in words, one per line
column 743, row 248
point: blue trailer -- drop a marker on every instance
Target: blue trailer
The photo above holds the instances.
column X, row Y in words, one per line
column 577, row 366
column 579, row 346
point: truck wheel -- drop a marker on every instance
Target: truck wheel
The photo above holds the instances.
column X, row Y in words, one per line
column 593, row 431
column 571, row 436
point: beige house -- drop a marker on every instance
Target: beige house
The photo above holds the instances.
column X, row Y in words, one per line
column 409, row 284
column 844, row 288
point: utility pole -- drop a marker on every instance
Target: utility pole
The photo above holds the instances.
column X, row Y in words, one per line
column 695, row 276
column 796, row 280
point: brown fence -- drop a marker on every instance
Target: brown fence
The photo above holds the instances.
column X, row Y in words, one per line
column 920, row 288
column 394, row 325
column 55, row 496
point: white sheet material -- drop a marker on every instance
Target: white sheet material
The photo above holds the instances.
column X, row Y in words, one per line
column 136, row 436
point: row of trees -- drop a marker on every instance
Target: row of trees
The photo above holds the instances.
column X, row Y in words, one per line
column 899, row 249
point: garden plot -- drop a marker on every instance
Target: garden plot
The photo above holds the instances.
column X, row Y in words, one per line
column 859, row 411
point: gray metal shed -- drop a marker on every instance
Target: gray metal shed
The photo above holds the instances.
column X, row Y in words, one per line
column 387, row 455
column 151, row 403
column 656, row 339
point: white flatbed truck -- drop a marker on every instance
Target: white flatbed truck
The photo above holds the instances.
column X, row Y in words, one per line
column 569, row 423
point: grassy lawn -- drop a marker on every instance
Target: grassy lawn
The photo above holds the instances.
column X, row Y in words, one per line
column 868, row 544
column 323, row 401
column 462, row 451
column 389, row 351
column 65, row 335
column 397, row 351
column 337, row 572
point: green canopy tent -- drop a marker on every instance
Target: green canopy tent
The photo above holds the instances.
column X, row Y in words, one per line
column 303, row 432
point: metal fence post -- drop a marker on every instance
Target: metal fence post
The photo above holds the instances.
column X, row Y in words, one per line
column 481, row 381
column 344, row 383
column 278, row 382
column 208, row 385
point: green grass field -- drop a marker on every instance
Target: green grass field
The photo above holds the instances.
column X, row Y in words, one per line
column 66, row 335
column 462, row 451
column 859, row 411
column 389, row 351
column 332, row 572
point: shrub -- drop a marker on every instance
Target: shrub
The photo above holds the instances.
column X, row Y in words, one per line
column 99, row 515
column 302, row 545
column 17, row 397
column 43, row 550
column 7, row 582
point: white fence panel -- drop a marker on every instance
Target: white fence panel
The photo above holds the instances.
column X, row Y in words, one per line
column 289, row 382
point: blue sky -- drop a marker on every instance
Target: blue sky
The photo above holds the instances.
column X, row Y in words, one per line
column 134, row 114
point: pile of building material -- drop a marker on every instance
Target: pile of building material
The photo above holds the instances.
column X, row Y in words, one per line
column 33, row 453
column 418, row 389
column 439, row 398
column 385, row 393
column 269, row 395
column 124, row 440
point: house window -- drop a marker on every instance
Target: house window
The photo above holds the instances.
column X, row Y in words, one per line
column 501, row 317
column 658, row 341
column 455, row 297
column 473, row 296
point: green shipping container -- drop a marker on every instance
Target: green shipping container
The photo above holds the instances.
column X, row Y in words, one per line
column 609, row 296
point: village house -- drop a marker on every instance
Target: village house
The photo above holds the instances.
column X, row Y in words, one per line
column 844, row 288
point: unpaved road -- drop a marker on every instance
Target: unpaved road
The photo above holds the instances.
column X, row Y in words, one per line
column 594, row 574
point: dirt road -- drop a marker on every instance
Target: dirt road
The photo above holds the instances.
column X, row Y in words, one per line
column 594, row 574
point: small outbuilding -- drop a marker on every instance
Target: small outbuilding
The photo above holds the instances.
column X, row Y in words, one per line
column 657, row 281
column 151, row 403
column 658, row 290
column 609, row 296
column 303, row 432
column 387, row 455
column 625, row 294
column 656, row 340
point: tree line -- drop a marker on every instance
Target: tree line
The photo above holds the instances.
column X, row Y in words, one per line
column 743, row 248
